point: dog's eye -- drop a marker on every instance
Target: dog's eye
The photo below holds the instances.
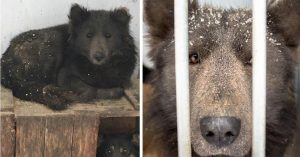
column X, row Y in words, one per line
column 107, row 35
column 249, row 62
column 89, row 35
column 194, row 58
column 109, row 152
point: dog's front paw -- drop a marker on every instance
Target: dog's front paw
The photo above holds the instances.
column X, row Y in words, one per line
column 54, row 98
column 50, row 90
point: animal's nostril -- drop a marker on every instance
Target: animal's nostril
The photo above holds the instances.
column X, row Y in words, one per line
column 209, row 134
column 229, row 134
column 220, row 131
column 98, row 56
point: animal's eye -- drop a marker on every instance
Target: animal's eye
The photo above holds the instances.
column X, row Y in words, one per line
column 109, row 152
column 107, row 35
column 124, row 151
column 249, row 62
column 89, row 35
column 194, row 58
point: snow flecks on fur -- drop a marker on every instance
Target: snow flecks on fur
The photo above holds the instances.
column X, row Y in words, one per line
column 214, row 19
column 237, row 21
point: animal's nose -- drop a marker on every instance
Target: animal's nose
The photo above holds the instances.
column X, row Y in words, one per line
column 220, row 131
column 99, row 56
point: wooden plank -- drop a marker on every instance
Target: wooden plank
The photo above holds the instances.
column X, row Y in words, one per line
column 107, row 108
column 133, row 94
column 118, row 125
column 8, row 132
column 131, row 98
column 28, row 108
column 58, row 135
column 6, row 100
column 85, row 135
column 30, row 136
column 43, row 132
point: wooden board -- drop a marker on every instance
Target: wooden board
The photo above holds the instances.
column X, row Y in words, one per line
column 104, row 108
column 27, row 108
column 118, row 125
column 42, row 132
column 133, row 94
column 7, row 130
column 131, row 98
column 30, row 136
column 58, row 136
column 124, row 107
column 107, row 108
column 6, row 100
column 85, row 135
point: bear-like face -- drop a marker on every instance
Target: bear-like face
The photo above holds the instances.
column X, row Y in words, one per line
column 220, row 82
column 98, row 35
column 220, row 86
column 119, row 145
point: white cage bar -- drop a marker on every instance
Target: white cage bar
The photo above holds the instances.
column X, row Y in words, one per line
column 182, row 77
column 259, row 79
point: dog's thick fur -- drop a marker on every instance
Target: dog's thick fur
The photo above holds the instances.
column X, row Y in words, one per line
column 90, row 58
column 220, row 76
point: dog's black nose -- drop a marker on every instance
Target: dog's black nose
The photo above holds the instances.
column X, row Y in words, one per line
column 220, row 131
column 99, row 56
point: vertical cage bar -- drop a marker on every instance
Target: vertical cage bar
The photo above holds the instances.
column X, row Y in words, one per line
column 182, row 78
column 259, row 79
column 141, row 98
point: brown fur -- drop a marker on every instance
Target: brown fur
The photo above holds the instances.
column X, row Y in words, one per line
column 220, row 82
column 285, row 16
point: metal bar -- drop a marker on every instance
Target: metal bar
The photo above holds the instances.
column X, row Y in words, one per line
column 259, row 79
column 182, row 78
column 141, row 109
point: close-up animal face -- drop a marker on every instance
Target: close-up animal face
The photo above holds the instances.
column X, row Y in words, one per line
column 98, row 35
column 220, row 71
column 220, row 75
column 220, row 82
column 115, row 146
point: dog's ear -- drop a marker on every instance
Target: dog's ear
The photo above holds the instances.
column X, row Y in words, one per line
column 159, row 15
column 78, row 14
column 121, row 15
column 284, row 18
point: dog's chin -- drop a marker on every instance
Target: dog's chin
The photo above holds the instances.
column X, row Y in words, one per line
column 221, row 155
column 213, row 151
column 195, row 155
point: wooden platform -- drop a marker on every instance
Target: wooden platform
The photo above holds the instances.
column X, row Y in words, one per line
column 31, row 130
